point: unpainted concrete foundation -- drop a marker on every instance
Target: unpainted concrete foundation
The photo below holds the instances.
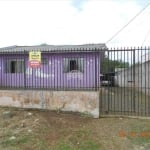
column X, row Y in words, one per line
column 75, row 101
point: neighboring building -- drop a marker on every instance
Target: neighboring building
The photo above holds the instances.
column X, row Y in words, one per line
column 62, row 66
column 136, row 76
column 145, row 57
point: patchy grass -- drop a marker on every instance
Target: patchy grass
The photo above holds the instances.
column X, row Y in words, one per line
column 140, row 134
column 45, row 130
column 85, row 145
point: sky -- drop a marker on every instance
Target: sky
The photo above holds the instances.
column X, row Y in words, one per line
column 56, row 22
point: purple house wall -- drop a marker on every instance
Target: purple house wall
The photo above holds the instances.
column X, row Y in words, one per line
column 52, row 72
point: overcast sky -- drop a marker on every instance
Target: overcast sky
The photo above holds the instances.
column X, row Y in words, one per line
column 33, row 22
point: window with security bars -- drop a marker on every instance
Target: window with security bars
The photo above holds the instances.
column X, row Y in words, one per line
column 73, row 65
column 14, row 66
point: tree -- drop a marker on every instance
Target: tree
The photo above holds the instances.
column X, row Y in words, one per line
column 108, row 65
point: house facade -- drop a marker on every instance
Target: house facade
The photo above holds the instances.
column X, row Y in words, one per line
column 62, row 67
column 67, row 72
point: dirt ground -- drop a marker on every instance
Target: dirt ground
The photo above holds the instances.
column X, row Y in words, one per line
column 47, row 130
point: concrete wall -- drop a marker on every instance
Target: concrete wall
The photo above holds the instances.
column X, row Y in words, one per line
column 75, row 101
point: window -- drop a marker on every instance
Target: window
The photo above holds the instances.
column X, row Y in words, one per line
column 14, row 66
column 73, row 65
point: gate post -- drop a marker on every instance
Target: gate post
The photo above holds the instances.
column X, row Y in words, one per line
column 24, row 71
column 134, row 79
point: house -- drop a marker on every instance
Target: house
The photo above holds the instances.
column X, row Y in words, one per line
column 69, row 73
column 135, row 76
column 61, row 67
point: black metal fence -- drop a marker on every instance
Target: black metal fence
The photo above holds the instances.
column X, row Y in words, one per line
column 74, row 69
column 125, row 82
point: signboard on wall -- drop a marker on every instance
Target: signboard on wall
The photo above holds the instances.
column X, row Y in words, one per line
column 35, row 55
column 34, row 64
column 34, row 59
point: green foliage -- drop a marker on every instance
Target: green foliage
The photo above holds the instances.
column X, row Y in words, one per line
column 108, row 65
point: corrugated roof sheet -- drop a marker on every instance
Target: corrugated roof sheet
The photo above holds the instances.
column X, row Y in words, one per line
column 84, row 47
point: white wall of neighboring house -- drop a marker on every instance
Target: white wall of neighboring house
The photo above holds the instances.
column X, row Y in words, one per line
column 141, row 80
column 145, row 57
column 123, row 77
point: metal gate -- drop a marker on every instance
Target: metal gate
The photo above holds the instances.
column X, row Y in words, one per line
column 125, row 82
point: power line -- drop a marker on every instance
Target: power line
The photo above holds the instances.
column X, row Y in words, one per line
column 128, row 23
column 147, row 35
